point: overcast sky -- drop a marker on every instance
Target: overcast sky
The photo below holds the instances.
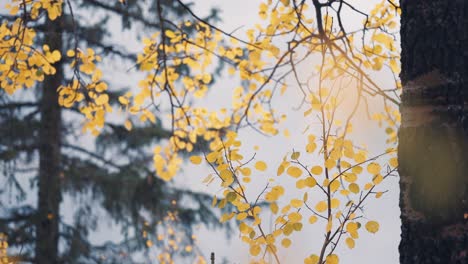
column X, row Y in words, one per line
column 378, row 248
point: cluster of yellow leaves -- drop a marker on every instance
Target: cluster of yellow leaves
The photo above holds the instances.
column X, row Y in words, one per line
column 178, row 69
column 314, row 259
column 165, row 83
column 391, row 118
column 232, row 170
column 3, row 249
column 22, row 65
column 166, row 161
column 233, row 174
column 170, row 240
column 380, row 47
column 33, row 8
column 87, row 87
column 383, row 16
column 341, row 187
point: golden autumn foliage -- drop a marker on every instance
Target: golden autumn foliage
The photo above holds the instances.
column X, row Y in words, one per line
column 333, row 175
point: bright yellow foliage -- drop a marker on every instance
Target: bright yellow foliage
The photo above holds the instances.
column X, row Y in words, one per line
column 372, row 226
column 333, row 173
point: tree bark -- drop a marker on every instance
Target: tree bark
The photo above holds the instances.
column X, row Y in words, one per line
column 49, row 193
column 433, row 137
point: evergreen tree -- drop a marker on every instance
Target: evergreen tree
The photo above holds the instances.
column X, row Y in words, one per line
column 38, row 141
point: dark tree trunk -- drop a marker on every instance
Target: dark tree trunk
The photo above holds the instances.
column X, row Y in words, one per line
column 49, row 197
column 433, row 138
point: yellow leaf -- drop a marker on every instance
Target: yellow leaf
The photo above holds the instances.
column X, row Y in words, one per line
column 70, row 53
column 354, row 188
column 241, row 216
column 255, row 250
column 288, row 229
column 213, row 203
column 294, row 217
column 359, row 157
column 196, row 159
column 296, row 203
column 312, row 259
column 261, row 166
column 245, row 171
column 149, row 243
column 384, row 39
column 128, row 125
column 352, row 227
column 170, row 33
column 329, row 224
column 56, row 55
column 300, row 184
column 394, row 66
column 123, row 100
column 231, row 196
column 350, row 177
column 101, row 87
column 350, row 242
column 274, row 208
column 313, row 219
column 102, row 99
column 14, row 10
column 373, row 168
column 368, row 186
column 377, row 179
column 188, row 248
column 295, row 155
column 277, row 232
column 357, row 169
column 334, row 203
column 334, row 185
column 321, row 206
column 294, row 171
column 330, row 163
column 393, row 162
column 286, row 242
column 317, row 170
column 306, row 113
column 372, row 226
column 332, row 259
column 280, row 170
column 297, row 226
column 344, row 192
column 243, row 228
column 212, row 156
column 311, row 147
column 310, row 182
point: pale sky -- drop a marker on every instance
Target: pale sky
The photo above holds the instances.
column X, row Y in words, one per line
column 378, row 248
